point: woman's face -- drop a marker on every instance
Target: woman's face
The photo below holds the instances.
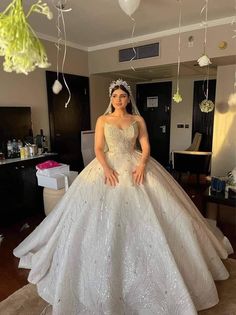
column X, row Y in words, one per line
column 119, row 99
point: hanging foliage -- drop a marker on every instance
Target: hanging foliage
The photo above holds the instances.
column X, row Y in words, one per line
column 19, row 44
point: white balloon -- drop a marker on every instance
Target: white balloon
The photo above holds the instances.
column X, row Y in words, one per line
column 129, row 6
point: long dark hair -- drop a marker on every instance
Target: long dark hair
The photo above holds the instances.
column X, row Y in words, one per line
column 129, row 105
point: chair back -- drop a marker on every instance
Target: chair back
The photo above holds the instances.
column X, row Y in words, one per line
column 196, row 142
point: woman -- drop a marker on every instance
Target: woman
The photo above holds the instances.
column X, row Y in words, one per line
column 135, row 244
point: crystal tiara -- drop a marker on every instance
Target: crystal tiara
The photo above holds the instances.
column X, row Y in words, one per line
column 118, row 83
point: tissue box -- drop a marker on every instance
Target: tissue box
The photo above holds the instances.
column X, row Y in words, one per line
column 56, row 181
column 62, row 169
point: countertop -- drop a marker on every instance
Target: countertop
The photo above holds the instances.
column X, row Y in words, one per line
column 15, row 160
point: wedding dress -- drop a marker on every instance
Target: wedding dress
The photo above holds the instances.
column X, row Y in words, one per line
column 130, row 249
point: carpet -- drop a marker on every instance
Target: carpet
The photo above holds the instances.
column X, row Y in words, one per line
column 26, row 301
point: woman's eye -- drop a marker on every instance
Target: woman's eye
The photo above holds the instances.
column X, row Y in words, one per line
column 118, row 96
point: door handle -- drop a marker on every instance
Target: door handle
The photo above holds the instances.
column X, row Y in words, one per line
column 58, row 134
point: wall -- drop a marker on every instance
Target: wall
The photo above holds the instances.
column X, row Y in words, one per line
column 180, row 139
column 224, row 143
column 106, row 60
column 99, row 96
column 22, row 90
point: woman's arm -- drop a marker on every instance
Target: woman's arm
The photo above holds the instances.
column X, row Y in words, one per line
column 111, row 176
column 138, row 173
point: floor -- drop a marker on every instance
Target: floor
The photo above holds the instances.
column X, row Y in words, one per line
column 13, row 278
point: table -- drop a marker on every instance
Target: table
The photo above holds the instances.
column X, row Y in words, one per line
column 218, row 199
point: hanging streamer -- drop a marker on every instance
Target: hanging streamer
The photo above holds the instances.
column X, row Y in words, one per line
column 132, row 38
column 129, row 7
column 232, row 96
column 204, row 59
column 177, row 96
column 206, row 106
column 57, row 86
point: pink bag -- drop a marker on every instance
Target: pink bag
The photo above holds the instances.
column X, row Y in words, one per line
column 47, row 164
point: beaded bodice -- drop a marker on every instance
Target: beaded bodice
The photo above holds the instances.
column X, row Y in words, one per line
column 121, row 140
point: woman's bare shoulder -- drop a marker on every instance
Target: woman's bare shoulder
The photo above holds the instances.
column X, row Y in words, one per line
column 101, row 121
column 138, row 118
column 101, row 118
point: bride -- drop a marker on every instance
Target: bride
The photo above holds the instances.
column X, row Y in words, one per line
column 125, row 238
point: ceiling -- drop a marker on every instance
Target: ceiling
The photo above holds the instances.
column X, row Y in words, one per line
column 96, row 22
column 93, row 24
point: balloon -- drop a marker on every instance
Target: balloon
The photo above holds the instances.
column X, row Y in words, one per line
column 129, row 6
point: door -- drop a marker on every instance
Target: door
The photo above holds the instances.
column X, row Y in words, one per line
column 154, row 101
column 203, row 122
column 66, row 124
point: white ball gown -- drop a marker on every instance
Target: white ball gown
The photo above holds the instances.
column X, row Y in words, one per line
column 129, row 249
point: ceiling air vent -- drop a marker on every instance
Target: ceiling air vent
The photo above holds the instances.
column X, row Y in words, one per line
column 145, row 51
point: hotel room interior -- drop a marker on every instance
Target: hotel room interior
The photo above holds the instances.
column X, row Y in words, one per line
column 100, row 43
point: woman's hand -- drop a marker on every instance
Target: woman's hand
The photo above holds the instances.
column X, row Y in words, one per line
column 111, row 177
column 138, row 174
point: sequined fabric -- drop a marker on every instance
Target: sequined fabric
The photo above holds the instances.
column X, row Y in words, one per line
column 128, row 250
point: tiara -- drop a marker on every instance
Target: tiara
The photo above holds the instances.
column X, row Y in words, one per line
column 118, row 83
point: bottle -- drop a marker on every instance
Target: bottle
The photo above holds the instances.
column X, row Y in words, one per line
column 19, row 146
column 14, row 148
column 9, row 149
column 43, row 141
column 27, row 151
column 22, row 153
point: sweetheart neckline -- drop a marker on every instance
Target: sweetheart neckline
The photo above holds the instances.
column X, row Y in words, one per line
column 122, row 129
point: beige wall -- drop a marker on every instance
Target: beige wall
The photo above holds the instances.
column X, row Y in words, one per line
column 22, row 90
column 180, row 138
column 30, row 90
column 99, row 97
column 224, row 139
column 106, row 60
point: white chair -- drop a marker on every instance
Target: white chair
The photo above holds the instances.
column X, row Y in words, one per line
column 87, row 146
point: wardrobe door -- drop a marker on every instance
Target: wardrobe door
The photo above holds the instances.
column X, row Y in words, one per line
column 66, row 124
